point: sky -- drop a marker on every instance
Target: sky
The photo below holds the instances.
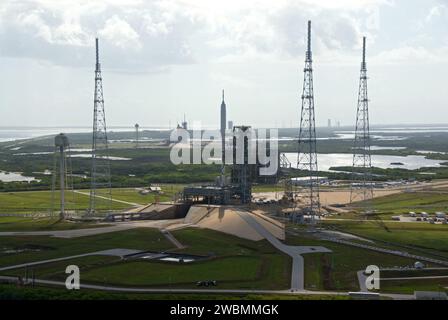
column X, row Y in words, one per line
column 163, row 59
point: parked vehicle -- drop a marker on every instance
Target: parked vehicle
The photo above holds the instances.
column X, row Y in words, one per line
column 206, row 283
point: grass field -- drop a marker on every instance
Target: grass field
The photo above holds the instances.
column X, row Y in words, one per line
column 12, row 292
column 36, row 248
column 56, row 270
column 423, row 237
column 41, row 201
column 233, row 262
column 413, row 273
column 244, row 271
column 337, row 270
column 267, row 188
column 410, row 201
column 236, row 264
column 409, row 286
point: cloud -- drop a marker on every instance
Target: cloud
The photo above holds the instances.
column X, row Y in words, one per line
column 151, row 36
column 120, row 33
column 135, row 36
column 280, row 31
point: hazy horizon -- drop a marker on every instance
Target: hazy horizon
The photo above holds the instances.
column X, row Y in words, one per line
column 161, row 126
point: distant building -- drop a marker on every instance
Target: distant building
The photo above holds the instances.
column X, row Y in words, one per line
column 230, row 125
column 184, row 124
column 329, row 123
column 305, row 181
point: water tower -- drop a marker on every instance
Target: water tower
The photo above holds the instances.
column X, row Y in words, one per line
column 62, row 145
column 136, row 135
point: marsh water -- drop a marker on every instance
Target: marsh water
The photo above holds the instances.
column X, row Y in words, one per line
column 328, row 160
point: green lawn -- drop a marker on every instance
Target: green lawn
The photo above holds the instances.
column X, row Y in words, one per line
column 267, row 188
column 275, row 267
column 230, row 272
column 132, row 194
column 12, row 292
column 409, row 286
column 425, row 238
column 337, row 270
column 234, row 262
column 41, row 201
column 56, row 270
column 36, row 248
column 413, row 273
column 411, row 201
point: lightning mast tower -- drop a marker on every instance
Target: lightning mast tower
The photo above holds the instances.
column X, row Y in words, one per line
column 361, row 187
column 307, row 156
column 100, row 176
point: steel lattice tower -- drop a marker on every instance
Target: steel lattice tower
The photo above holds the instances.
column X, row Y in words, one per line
column 361, row 187
column 100, row 176
column 307, row 156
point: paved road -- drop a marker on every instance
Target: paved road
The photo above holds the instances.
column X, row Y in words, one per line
column 159, row 224
column 155, row 290
column 172, row 239
column 297, row 274
column 221, row 291
column 106, row 198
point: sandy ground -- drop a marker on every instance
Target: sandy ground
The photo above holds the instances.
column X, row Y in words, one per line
column 343, row 196
column 329, row 197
